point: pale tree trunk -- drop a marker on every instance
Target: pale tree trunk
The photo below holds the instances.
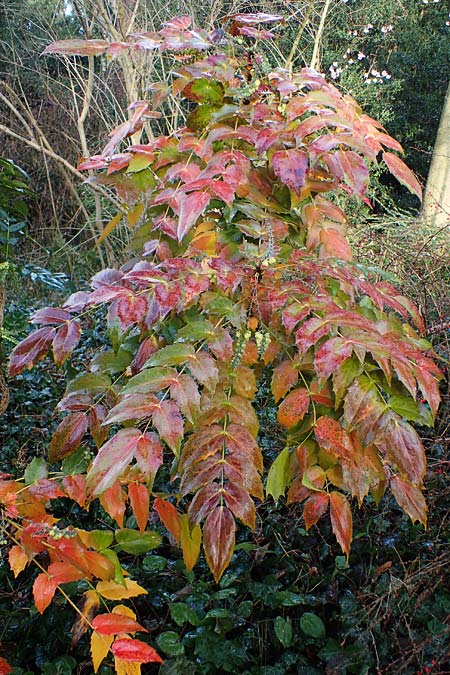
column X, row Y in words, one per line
column 436, row 201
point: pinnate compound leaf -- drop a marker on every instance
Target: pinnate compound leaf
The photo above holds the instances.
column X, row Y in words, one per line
column 65, row 341
column 68, row 436
column 403, row 173
column 219, row 540
column 293, row 408
column 111, row 624
column 112, row 459
column 135, row 651
column 341, row 520
column 190, row 540
column 30, row 350
column 315, row 507
column 169, row 517
column 139, row 497
column 113, row 591
column 410, row 498
column 285, row 376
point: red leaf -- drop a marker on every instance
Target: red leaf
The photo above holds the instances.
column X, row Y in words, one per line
column 257, row 17
column 168, row 421
column 314, row 508
column 184, row 392
column 111, row 624
column 290, row 166
column 65, row 341
column 135, row 650
column 402, row 173
column 30, row 350
column 50, row 315
column 332, row 437
column 410, row 498
column 240, row 503
column 68, row 436
column 204, row 369
column 293, row 408
column 341, row 520
column 285, row 376
column 169, row 516
column 219, row 540
column 112, row 459
column 140, row 503
column 330, row 355
column 205, row 500
column 5, row 668
column 192, row 206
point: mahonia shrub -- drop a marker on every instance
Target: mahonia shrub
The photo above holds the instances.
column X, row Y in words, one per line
column 244, row 268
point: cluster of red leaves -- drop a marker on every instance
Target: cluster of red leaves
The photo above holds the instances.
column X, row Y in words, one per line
column 246, row 266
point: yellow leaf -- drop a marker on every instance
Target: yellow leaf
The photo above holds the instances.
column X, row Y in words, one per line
column 124, row 610
column 110, row 227
column 134, row 214
column 100, row 645
column 113, row 591
column 126, row 667
column 190, row 541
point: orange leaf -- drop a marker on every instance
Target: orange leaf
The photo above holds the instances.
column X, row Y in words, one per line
column 341, row 520
column 402, row 173
column 113, row 501
column 293, row 408
column 135, row 650
column 17, row 559
column 169, row 516
column 88, row 606
column 5, row 668
column 139, row 497
column 111, row 624
column 43, row 591
column 285, row 376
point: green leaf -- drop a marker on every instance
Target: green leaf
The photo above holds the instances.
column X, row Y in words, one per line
column 405, row 406
column 283, row 630
column 195, row 330
column 169, row 642
column 204, row 90
column 131, row 541
column 278, row 477
column 100, row 539
column 91, row 383
column 154, row 563
column 181, row 613
column 172, row 355
column 312, row 625
column 35, row 470
column 110, row 362
column 118, row 572
column 151, row 379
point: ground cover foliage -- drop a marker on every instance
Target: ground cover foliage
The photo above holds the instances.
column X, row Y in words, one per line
column 288, row 600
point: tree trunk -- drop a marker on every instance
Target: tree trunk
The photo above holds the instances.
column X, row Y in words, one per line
column 436, row 201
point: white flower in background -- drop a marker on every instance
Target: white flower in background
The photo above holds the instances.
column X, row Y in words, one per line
column 387, row 29
column 368, row 28
column 334, row 70
column 361, row 56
